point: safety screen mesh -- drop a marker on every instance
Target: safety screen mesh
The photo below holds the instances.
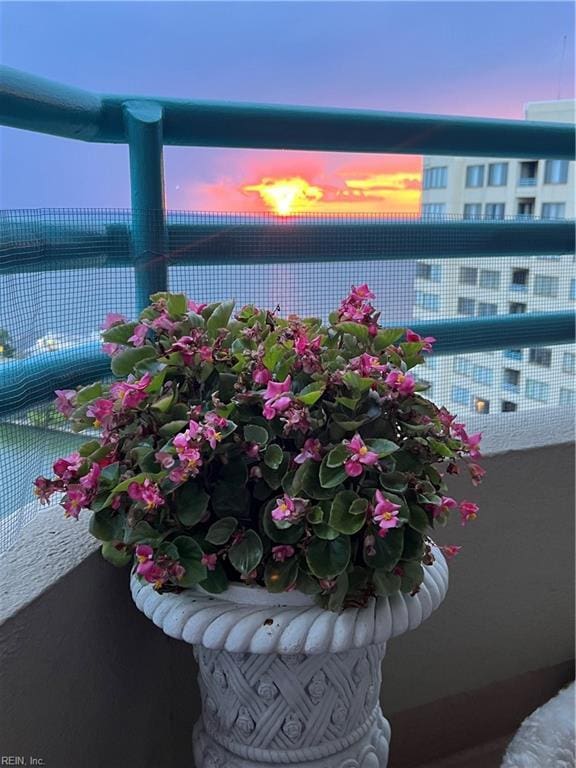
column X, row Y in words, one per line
column 63, row 271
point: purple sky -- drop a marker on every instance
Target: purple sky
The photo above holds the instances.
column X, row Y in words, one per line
column 469, row 58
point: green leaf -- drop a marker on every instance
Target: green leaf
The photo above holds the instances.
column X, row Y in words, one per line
column 393, row 481
column 387, row 336
column 385, row 583
column 274, row 456
column 107, row 525
column 255, row 434
column 440, row 449
column 357, row 383
column 119, row 334
column 220, row 531
column 280, row 535
column 325, row 531
column 216, row 581
column 278, row 577
column 359, row 507
column 177, row 305
column 382, row 447
column 123, row 363
column 340, row 516
column 337, row 456
column 86, row 449
column 118, row 557
column 219, row 318
column 418, row 519
column 274, row 352
column 330, row 477
column 274, row 477
column 87, row 394
column 141, row 532
column 163, row 404
column 190, row 503
column 307, row 584
column 245, row 555
column 359, row 332
column 190, row 557
column 315, row 515
column 336, row 598
column 173, row 427
column 312, row 393
column 109, row 475
column 413, row 545
column 328, row 558
column 388, row 550
column 412, row 577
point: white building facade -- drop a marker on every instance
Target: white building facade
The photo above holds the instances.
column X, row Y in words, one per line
column 513, row 379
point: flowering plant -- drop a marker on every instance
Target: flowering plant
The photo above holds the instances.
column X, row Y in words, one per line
column 279, row 452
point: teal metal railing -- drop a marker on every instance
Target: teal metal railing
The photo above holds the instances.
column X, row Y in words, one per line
column 146, row 124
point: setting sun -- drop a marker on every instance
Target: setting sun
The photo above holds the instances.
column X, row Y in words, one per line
column 286, row 196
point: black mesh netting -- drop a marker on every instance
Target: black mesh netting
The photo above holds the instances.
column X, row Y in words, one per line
column 62, row 271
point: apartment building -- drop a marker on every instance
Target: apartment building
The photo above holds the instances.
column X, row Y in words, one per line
column 484, row 188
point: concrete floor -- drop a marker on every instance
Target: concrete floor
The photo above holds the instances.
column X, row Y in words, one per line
column 486, row 756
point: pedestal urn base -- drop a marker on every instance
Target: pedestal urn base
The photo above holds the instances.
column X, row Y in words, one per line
column 284, row 682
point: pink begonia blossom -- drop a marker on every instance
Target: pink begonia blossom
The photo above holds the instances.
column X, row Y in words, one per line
column 147, row 492
column 446, row 418
column 187, row 346
column 471, row 443
column 194, row 307
column 468, row 511
column 65, row 401
column 403, row 383
column 67, row 467
column 426, row 340
column 450, row 550
column 261, row 375
column 252, row 450
column 385, row 514
column 112, row 319
column 355, row 307
column 438, row 510
column 367, row 365
column 90, row 479
column 288, row 509
column 206, row 354
column 153, row 573
column 210, row 561
column 76, row 498
column 44, row 488
column 165, row 459
column 360, row 455
column 296, row 417
column 310, row 450
column 181, row 474
column 370, row 545
column 282, row 552
column 139, row 336
column 362, row 292
column 101, row 411
column 144, row 552
column 327, row 584
column 215, row 420
column 275, row 398
column 110, row 349
column 476, row 473
column 131, row 393
column 163, row 323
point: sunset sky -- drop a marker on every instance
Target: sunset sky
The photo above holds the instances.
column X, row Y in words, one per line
column 469, row 58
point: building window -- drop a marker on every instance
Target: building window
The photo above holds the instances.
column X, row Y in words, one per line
column 466, row 306
column 494, row 210
column 516, row 308
column 430, row 301
column 468, row 276
column 473, row 210
column 435, row 178
column 497, row 174
column 432, row 272
column 486, row 309
column 526, row 207
column 508, row 406
column 483, row 375
column 481, row 405
column 519, row 280
column 553, row 210
column 528, row 173
column 567, row 396
column 556, row 172
column 510, row 379
column 489, row 278
column 462, row 366
column 572, row 291
column 433, row 209
column 475, row 176
column 540, row 356
column 460, row 395
column 513, row 354
column 569, row 362
column 546, row 286
column 536, row 390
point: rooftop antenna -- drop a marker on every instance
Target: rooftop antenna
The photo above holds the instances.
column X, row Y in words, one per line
column 562, row 55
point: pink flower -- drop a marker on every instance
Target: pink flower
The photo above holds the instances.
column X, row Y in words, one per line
column 67, row 467
column 427, row 340
column 153, row 573
column 438, row 510
column 187, row 346
column 476, row 473
column 450, row 550
column 275, row 398
column 468, row 511
column 110, row 349
column 385, row 514
column 214, row 420
column 131, row 393
column 370, row 545
column 74, row 501
column 163, row 323
column 213, row 437
column 252, row 450
column 139, row 336
column 45, row 488
column 327, row 584
column 147, row 492
column 282, row 552
column 205, row 354
column 144, row 552
column 288, row 509
column 310, row 450
column 210, row 561
column 360, row 455
column 471, row 443
column 101, row 411
column 194, row 307
column 296, row 417
column 176, row 571
column 354, row 307
column 165, row 459
column 403, row 383
column 90, row 479
column 367, row 365
column 261, row 375
column 362, row 292
column 65, row 401
column 111, row 319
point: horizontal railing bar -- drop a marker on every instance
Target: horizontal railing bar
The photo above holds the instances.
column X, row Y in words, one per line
column 33, row 380
column 36, row 104
column 293, row 242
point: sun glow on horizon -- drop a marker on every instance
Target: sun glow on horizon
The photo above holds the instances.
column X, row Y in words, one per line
column 288, row 196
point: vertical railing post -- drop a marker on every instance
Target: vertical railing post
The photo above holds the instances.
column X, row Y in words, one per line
column 149, row 239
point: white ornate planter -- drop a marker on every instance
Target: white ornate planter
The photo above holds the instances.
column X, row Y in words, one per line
column 284, row 682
